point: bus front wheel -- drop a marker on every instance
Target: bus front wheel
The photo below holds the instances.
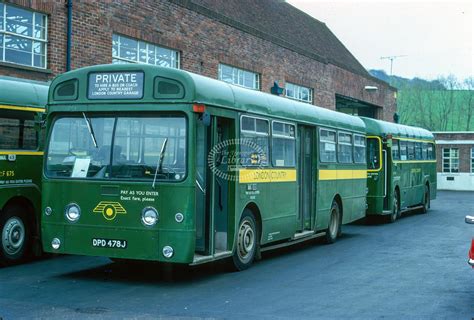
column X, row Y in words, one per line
column 15, row 235
column 395, row 209
column 426, row 200
column 334, row 227
column 247, row 242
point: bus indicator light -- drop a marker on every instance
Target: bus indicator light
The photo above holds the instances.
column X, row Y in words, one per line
column 199, row 108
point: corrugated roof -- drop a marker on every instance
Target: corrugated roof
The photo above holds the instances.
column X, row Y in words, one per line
column 283, row 24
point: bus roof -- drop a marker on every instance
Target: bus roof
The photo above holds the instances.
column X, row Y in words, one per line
column 208, row 91
column 383, row 128
column 23, row 93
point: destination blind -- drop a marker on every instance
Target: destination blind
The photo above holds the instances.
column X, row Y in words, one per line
column 115, row 85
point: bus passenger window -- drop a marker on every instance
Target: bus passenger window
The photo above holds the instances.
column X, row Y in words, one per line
column 418, row 155
column 395, row 150
column 373, row 153
column 403, row 150
column 327, row 145
column 431, row 153
column 344, row 147
column 283, row 144
column 424, row 151
column 359, row 149
column 254, row 147
column 411, row 150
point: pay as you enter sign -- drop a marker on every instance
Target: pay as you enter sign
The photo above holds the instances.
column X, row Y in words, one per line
column 115, row 85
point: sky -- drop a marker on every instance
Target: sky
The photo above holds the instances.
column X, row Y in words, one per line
column 434, row 38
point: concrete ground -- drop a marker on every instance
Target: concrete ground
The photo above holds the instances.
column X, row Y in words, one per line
column 415, row 268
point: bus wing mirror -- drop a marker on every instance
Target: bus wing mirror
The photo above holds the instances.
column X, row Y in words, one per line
column 40, row 121
column 206, row 118
column 470, row 219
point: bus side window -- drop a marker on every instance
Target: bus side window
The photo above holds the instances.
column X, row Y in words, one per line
column 254, row 148
column 411, row 150
column 395, row 150
column 344, row 147
column 403, row 150
column 327, row 145
column 283, row 144
column 424, row 147
column 418, row 155
column 359, row 149
column 17, row 131
column 431, row 154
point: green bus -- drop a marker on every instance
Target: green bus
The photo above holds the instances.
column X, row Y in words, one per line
column 159, row 164
column 401, row 164
column 22, row 103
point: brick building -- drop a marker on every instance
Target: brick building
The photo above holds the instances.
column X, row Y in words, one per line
column 455, row 154
column 250, row 43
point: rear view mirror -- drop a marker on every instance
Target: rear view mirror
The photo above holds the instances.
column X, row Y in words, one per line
column 470, row 219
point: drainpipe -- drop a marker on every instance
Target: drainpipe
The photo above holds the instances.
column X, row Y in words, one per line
column 68, row 35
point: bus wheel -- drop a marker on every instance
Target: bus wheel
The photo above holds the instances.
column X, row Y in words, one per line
column 15, row 235
column 247, row 242
column 426, row 200
column 395, row 209
column 334, row 228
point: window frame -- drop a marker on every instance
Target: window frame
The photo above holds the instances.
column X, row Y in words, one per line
column 449, row 161
column 33, row 39
column 280, row 136
column 257, row 79
column 298, row 86
column 177, row 58
column 351, row 144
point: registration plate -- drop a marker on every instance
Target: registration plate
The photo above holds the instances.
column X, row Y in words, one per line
column 109, row 243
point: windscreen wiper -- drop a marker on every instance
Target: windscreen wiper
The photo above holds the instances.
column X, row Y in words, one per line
column 91, row 129
column 159, row 166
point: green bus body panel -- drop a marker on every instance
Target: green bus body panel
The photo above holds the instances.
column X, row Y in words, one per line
column 410, row 177
column 25, row 93
column 277, row 202
column 20, row 179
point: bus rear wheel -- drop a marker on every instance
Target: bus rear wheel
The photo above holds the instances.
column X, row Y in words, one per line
column 334, row 227
column 14, row 236
column 247, row 242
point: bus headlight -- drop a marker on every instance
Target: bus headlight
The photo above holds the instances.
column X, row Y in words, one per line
column 73, row 212
column 149, row 216
column 168, row 252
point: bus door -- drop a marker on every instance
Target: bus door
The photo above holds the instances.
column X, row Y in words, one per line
column 213, row 182
column 306, row 176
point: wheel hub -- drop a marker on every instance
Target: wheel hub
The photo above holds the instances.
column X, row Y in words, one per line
column 13, row 236
column 246, row 241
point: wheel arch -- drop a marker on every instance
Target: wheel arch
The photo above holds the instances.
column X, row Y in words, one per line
column 252, row 206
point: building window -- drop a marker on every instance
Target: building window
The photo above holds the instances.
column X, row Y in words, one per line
column 472, row 160
column 300, row 93
column 239, row 77
column 23, row 36
column 451, row 160
column 128, row 50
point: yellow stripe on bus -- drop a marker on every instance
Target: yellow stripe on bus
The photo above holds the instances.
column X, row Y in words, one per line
column 342, row 174
column 23, row 153
column 266, row 175
column 2, row 106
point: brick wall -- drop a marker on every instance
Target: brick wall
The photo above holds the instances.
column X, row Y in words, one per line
column 203, row 43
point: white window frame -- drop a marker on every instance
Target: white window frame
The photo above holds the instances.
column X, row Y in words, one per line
column 449, row 159
column 176, row 60
column 351, row 144
column 321, row 139
column 4, row 32
column 236, row 73
column 359, row 145
column 297, row 90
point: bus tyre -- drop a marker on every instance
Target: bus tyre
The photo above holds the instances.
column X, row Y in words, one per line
column 426, row 200
column 15, row 235
column 334, row 227
column 247, row 242
column 395, row 209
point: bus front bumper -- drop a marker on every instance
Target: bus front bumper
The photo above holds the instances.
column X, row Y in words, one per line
column 123, row 243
